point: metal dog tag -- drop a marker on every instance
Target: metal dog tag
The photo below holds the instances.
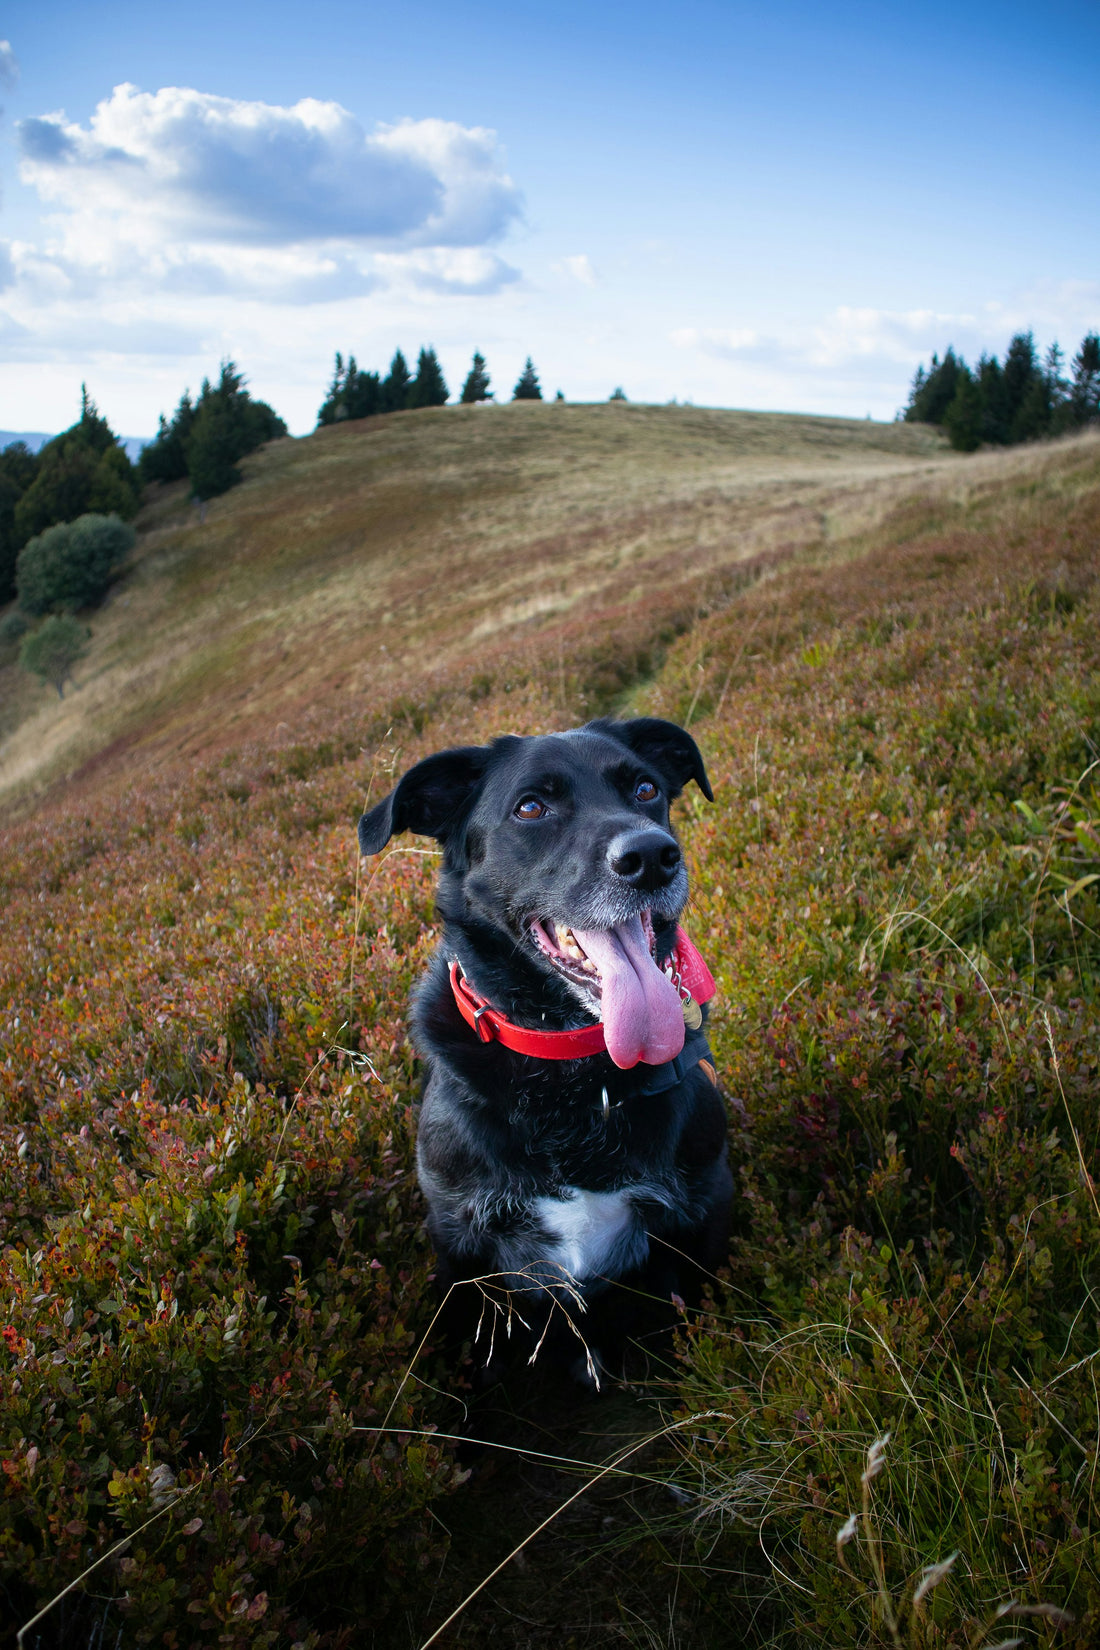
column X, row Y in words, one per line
column 693, row 1014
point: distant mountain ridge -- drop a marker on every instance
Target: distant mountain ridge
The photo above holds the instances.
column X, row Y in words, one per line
column 35, row 439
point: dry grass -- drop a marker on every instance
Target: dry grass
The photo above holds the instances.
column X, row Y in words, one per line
column 350, row 559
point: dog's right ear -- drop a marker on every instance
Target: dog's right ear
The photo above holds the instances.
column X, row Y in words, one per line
column 431, row 799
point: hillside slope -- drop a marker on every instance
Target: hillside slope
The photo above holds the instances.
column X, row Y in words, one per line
column 218, row 1386
column 374, row 555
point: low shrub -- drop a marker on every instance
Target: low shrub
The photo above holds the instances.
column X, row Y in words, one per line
column 54, row 648
column 71, row 565
column 901, row 891
column 214, row 1281
column 13, row 627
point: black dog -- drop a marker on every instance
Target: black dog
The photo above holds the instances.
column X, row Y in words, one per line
column 572, row 1136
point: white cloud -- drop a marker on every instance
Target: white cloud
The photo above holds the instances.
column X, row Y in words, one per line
column 861, row 341
column 9, row 67
column 11, row 332
column 580, row 267
column 730, row 343
column 478, row 200
column 895, row 335
column 1065, row 310
column 459, row 271
column 202, row 168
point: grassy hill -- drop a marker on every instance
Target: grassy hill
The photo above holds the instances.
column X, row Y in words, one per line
column 217, row 1381
column 372, row 559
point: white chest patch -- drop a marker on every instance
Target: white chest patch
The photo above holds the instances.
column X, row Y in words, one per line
column 587, row 1228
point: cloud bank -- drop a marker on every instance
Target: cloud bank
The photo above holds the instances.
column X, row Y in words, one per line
column 207, row 191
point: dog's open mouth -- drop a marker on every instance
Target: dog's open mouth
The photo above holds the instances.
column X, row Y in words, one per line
column 615, row 967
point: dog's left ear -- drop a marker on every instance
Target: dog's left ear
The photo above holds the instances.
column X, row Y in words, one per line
column 668, row 747
column 431, row 799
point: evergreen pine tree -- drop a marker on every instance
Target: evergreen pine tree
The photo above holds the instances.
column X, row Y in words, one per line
column 476, row 387
column 165, row 457
column 428, row 388
column 82, row 469
column 1033, row 417
column 916, row 390
column 527, row 386
column 933, row 391
column 334, row 407
column 18, row 467
column 993, row 424
column 212, row 449
column 963, row 417
column 395, row 386
column 1085, row 388
column 352, row 394
column 1023, row 389
column 1057, row 386
column 210, row 435
column 1021, row 401
column 363, row 392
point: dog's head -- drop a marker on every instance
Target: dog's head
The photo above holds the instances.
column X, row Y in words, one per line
column 563, row 841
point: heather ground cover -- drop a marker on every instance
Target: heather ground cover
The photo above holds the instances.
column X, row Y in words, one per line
column 215, row 1293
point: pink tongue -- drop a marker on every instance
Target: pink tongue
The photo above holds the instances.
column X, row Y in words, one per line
column 642, row 1017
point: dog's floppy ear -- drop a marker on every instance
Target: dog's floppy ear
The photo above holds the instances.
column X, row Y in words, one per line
column 667, row 746
column 430, row 799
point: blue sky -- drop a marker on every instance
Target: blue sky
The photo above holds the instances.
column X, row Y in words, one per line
column 782, row 208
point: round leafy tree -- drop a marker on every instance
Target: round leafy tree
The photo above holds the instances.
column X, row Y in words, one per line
column 71, row 565
column 53, row 649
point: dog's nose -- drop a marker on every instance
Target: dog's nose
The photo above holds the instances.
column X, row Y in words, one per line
column 646, row 859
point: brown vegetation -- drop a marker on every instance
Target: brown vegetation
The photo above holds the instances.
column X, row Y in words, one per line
column 216, row 1376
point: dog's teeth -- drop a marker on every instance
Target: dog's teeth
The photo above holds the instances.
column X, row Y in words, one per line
column 589, row 966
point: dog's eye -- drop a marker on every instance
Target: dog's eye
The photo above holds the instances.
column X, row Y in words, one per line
column 529, row 808
column 645, row 791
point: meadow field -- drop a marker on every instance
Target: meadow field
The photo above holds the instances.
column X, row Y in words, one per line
column 223, row 1418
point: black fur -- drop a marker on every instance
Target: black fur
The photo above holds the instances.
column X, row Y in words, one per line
column 501, row 1131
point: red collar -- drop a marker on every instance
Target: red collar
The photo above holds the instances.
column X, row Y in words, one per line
column 692, row 979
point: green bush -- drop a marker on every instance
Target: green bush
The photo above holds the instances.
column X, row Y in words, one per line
column 13, row 627
column 71, row 565
column 53, row 649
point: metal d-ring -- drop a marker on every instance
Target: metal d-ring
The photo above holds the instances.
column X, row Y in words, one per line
column 605, row 1103
column 478, row 1012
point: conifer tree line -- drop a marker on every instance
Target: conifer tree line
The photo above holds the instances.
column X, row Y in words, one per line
column 1023, row 400
column 357, row 394
column 205, row 439
column 86, row 473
